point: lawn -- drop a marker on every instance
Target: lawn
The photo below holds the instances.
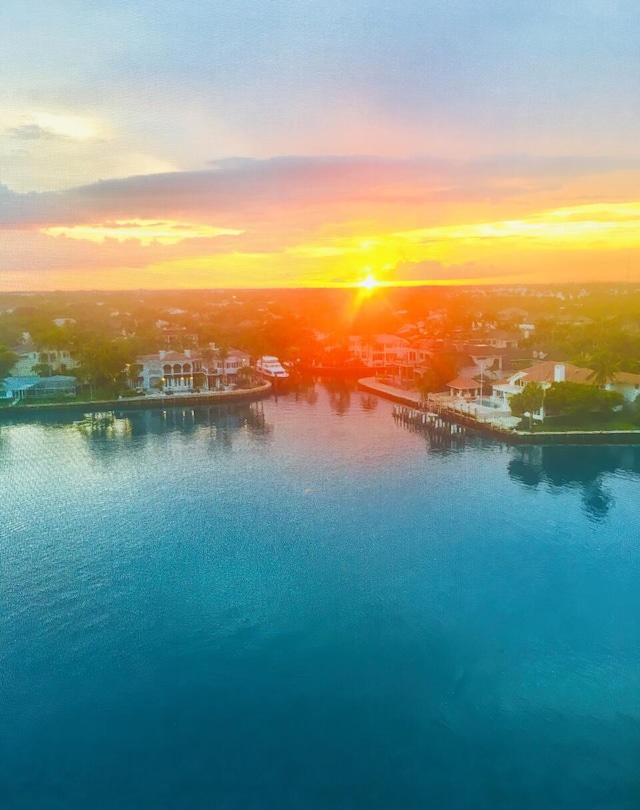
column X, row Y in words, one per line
column 589, row 422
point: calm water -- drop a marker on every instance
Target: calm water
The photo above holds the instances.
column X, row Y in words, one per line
column 301, row 604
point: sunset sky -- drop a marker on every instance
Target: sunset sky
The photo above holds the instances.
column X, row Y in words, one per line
column 255, row 143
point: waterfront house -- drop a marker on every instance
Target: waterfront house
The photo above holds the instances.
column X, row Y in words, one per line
column 221, row 366
column 381, row 351
column 545, row 373
column 626, row 384
column 170, row 371
column 179, row 372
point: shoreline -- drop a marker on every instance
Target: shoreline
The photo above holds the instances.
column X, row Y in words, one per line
column 412, row 400
column 208, row 398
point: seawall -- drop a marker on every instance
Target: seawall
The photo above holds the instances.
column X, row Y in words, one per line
column 208, row 398
column 412, row 400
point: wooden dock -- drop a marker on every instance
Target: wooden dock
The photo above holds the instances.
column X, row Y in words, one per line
column 441, row 432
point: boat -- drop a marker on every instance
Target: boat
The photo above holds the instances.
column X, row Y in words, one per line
column 270, row 368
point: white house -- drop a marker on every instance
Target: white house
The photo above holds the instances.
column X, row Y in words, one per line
column 169, row 371
column 58, row 360
column 626, row 384
column 545, row 374
column 184, row 371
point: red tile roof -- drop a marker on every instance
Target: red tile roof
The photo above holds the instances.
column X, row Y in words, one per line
column 627, row 377
column 463, row 384
column 545, row 372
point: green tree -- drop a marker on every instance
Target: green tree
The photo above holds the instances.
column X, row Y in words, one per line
column 42, row 369
column 442, row 368
column 246, row 375
column 209, row 364
column 223, row 355
column 7, row 361
column 429, row 382
column 50, row 338
column 104, row 362
column 578, row 399
column 528, row 402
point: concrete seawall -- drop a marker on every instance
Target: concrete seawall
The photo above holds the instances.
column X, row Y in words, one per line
column 208, row 398
column 373, row 386
column 413, row 400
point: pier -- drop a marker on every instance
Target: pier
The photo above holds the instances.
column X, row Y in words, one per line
column 442, row 414
column 440, row 431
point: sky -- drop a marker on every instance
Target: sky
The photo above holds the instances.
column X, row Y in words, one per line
column 270, row 143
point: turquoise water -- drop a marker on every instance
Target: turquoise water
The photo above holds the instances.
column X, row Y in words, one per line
column 301, row 604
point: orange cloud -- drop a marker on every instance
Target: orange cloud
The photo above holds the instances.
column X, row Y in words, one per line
column 323, row 221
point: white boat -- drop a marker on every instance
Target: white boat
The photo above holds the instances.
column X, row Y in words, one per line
column 271, row 368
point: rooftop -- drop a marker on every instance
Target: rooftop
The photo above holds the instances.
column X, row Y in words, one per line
column 463, row 384
column 546, row 371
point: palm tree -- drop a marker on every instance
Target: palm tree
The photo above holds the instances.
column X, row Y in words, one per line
column 604, row 367
column 208, row 358
column 223, row 354
column 7, row 360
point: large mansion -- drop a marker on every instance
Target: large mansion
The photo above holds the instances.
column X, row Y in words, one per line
column 191, row 369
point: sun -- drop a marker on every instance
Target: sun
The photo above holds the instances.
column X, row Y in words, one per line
column 370, row 282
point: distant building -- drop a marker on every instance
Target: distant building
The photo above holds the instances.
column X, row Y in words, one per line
column 58, row 361
column 480, row 359
column 527, row 329
column 502, row 339
column 179, row 338
column 513, row 314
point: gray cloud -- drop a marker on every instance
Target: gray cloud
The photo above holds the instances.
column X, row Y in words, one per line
column 239, row 192
column 34, row 132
